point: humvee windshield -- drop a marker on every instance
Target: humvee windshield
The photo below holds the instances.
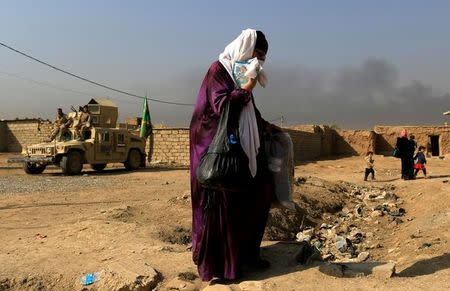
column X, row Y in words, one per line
column 66, row 135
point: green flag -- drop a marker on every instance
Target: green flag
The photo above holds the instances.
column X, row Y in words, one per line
column 146, row 124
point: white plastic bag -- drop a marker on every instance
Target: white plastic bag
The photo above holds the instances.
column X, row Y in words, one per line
column 280, row 156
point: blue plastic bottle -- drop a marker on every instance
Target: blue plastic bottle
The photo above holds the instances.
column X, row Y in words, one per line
column 90, row 278
column 233, row 139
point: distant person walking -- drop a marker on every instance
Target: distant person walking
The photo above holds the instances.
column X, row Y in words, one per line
column 420, row 162
column 406, row 153
column 227, row 227
column 369, row 166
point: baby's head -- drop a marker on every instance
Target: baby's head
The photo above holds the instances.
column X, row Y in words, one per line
column 421, row 148
column 369, row 153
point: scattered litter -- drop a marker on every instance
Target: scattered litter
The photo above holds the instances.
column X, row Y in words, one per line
column 90, row 278
column 425, row 245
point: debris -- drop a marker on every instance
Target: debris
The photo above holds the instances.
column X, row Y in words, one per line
column 425, row 245
column 305, row 235
column 376, row 213
column 384, row 271
column 306, row 253
column 41, row 236
column 398, row 212
column 363, row 256
column 341, row 243
column 300, row 180
column 302, row 237
column 396, row 221
column 358, row 210
column 90, row 278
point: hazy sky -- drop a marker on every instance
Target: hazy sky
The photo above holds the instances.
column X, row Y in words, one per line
column 351, row 63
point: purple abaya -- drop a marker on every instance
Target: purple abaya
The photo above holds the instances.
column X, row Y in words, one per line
column 227, row 227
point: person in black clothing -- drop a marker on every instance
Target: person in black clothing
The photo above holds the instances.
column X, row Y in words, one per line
column 406, row 149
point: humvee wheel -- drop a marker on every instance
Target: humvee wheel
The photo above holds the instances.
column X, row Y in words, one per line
column 133, row 161
column 33, row 169
column 72, row 164
column 98, row 167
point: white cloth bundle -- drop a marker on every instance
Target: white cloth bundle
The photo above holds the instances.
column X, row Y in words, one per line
column 241, row 49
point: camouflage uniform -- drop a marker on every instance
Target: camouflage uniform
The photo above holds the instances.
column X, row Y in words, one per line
column 61, row 122
column 84, row 122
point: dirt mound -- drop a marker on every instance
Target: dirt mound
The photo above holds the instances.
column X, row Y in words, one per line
column 30, row 282
column 175, row 235
column 313, row 197
column 124, row 277
column 124, row 214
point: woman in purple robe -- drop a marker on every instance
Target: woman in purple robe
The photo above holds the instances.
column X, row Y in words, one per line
column 227, row 227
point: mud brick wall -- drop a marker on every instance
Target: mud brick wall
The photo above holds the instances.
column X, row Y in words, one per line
column 307, row 145
column 21, row 133
column 328, row 140
column 387, row 137
column 3, row 141
column 169, row 146
column 354, row 142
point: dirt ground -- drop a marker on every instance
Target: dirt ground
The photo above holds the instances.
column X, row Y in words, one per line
column 54, row 229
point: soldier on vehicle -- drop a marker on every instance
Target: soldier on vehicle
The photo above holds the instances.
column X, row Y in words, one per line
column 61, row 122
column 84, row 122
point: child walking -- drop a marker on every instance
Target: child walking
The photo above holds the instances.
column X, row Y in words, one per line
column 420, row 162
column 369, row 166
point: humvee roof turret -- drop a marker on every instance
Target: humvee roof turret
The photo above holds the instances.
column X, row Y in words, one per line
column 102, row 143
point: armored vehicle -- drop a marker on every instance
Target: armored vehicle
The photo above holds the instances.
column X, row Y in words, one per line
column 102, row 143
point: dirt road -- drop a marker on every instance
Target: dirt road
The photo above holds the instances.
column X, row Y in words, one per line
column 54, row 229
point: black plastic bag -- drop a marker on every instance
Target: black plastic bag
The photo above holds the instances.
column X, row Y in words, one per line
column 224, row 165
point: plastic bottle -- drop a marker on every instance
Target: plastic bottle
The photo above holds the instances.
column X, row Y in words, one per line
column 90, row 278
column 233, row 139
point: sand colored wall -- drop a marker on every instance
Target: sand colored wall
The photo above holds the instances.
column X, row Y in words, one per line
column 3, row 140
column 387, row 137
column 354, row 142
column 328, row 137
column 169, row 146
column 21, row 133
column 307, row 145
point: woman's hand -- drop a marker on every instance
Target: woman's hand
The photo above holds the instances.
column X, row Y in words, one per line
column 250, row 84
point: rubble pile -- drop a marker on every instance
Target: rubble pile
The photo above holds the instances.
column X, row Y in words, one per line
column 347, row 235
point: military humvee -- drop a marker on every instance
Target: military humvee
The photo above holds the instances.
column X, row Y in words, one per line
column 102, row 143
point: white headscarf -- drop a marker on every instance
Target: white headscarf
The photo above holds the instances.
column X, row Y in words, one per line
column 241, row 49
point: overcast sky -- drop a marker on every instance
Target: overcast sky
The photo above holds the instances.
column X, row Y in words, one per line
column 350, row 63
